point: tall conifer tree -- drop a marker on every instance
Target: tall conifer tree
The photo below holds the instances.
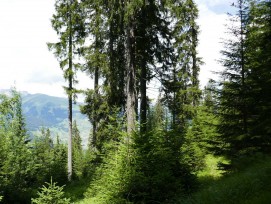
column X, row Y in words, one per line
column 96, row 59
column 258, row 45
column 68, row 22
column 234, row 93
column 181, row 82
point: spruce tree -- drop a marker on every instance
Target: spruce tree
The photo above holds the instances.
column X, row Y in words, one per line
column 16, row 164
column 43, row 151
column 78, row 156
column 258, row 43
column 68, row 22
column 51, row 194
column 59, row 164
column 94, row 54
column 180, row 81
column 202, row 137
column 105, row 62
column 234, row 97
column 142, row 39
column 152, row 36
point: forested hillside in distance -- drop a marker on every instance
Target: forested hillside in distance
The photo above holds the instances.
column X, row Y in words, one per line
column 190, row 145
column 43, row 111
column 51, row 112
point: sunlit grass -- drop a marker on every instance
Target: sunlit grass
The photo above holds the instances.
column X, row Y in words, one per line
column 251, row 185
column 211, row 171
column 75, row 190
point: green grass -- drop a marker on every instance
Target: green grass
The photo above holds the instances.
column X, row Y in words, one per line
column 211, row 171
column 75, row 190
column 250, row 185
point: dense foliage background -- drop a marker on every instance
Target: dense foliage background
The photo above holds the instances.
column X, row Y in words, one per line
column 142, row 151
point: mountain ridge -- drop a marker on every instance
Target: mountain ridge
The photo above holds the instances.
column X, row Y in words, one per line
column 44, row 111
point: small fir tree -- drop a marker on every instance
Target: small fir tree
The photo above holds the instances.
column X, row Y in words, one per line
column 52, row 194
column 78, row 156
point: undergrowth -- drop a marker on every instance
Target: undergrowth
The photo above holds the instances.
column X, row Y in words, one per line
column 249, row 185
column 76, row 189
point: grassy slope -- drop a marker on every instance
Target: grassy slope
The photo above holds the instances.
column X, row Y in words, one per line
column 75, row 190
column 251, row 185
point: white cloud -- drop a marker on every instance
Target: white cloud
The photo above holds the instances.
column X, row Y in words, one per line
column 212, row 31
column 26, row 61
column 24, row 32
column 213, row 3
column 24, row 58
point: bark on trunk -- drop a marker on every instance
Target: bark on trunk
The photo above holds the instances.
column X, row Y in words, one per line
column 244, row 108
column 131, row 81
column 96, row 84
column 70, row 101
column 143, row 94
column 143, row 81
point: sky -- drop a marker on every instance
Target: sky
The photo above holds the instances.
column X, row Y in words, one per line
column 26, row 63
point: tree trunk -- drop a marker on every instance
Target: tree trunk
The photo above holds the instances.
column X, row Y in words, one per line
column 70, row 138
column 70, row 101
column 96, row 84
column 131, row 81
column 195, row 82
column 143, row 94
column 143, row 80
column 244, row 108
column 174, row 110
column 96, row 87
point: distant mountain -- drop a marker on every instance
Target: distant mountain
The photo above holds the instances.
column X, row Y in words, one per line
column 51, row 112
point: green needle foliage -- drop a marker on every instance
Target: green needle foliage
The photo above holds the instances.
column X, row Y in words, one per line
column 16, row 165
column 68, row 22
column 258, row 45
column 234, row 97
column 147, row 170
column 78, row 154
column 52, row 194
column 139, row 151
column 244, row 97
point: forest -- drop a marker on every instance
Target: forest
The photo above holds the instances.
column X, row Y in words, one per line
column 191, row 145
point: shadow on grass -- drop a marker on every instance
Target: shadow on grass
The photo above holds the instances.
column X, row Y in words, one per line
column 251, row 185
column 76, row 189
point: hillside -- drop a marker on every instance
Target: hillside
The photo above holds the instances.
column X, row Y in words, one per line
column 249, row 185
column 41, row 110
